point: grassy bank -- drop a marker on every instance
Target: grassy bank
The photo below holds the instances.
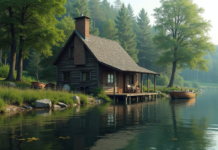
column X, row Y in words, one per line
column 165, row 89
column 10, row 95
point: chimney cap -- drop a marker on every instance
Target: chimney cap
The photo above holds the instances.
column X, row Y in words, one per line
column 82, row 17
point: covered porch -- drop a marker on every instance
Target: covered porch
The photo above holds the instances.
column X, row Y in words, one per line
column 125, row 84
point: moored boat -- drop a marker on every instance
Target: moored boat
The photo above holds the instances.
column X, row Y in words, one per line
column 181, row 94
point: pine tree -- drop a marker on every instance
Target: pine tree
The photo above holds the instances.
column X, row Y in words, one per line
column 125, row 34
column 96, row 11
column 117, row 5
column 144, row 40
column 33, row 65
column 109, row 30
column 131, row 13
column 80, row 7
column 108, row 11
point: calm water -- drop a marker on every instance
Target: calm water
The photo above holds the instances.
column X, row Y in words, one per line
column 162, row 124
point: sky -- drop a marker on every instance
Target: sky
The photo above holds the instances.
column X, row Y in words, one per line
column 210, row 7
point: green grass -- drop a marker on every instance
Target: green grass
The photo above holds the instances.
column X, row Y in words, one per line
column 164, row 89
column 18, row 96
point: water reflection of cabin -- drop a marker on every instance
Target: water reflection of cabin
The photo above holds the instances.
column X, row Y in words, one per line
column 88, row 61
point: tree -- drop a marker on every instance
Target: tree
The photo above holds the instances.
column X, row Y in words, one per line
column 117, row 5
column 33, row 65
column 125, row 33
column 96, row 11
column 144, row 40
column 131, row 13
column 8, row 35
column 182, row 35
column 80, row 7
column 37, row 27
column 109, row 30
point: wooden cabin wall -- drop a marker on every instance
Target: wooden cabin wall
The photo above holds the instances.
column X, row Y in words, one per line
column 67, row 65
column 103, row 73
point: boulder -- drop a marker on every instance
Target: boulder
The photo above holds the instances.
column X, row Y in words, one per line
column 24, row 106
column 159, row 92
column 76, row 99
column 62, row 104
column 178, row 87
column 56, row 106
column 43, row 103
column 66, row 87
column 11, row 84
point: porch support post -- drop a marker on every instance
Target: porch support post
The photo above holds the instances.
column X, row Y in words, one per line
column 155, row 83
column 141, row 82
column 98, row 75
column 114, row 83
column 148, row 83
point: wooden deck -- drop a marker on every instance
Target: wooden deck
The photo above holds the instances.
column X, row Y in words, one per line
column 131, row 94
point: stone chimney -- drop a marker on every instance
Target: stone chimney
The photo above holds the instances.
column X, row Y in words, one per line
column 82, row 25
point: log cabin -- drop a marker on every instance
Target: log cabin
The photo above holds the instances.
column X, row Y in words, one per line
column 87, row 61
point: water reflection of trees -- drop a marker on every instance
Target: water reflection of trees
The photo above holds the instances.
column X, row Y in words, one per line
column 136, row 126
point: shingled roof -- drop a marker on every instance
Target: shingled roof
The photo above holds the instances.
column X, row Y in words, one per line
column 110, row 53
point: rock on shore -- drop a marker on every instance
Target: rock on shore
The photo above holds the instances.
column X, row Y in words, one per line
column 43, row 103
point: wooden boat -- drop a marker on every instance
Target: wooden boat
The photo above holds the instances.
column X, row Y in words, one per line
column 181, row 94
column 37, row 85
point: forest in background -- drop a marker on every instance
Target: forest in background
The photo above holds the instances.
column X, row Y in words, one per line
column 108, row 20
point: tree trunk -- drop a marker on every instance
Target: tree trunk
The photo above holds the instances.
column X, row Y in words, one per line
column 20, row 60
column 13, row 48
column 173, row 75
column 0, row 56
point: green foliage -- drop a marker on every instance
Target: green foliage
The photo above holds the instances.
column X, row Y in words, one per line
column 95, row 11
column 162, row 94
column 98, row 90
column 67, row 25
column 162, row 80
column 109, row 30
column 72, row 88
column 48, row 73
column 100, row 93
column 182, row 37
column 187, row 84
column 145, row 45
column 83, row 99
column 1, row 64
column 33, row 65
column 4, row 70
column 28, row 79
column 81, row 7
column 149, row 81
column 179, row 81
column 196, row 85
column 2, row 104
column 125, row 33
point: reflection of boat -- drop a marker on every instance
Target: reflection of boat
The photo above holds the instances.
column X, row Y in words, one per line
column 181, row 94
column 187, row 102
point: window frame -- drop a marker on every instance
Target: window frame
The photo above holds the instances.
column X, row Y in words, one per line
column 63, row 77
column 71, row 52
column 110, row 78
column 81, row 75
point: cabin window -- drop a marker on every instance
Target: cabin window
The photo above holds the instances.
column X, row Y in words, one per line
column 86, row 76
column 110, row 78
column 66, row 76
column 71, row 52
column 131, row 79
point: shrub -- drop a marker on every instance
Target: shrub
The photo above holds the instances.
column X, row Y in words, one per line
column 98, row 90
column 196, row 85
column 72, row 88
column 162, row 80
column 2, row 104
column 1, row 64
column 104, row 97
column 28, row 79
column 187, row 84
column 4, row 70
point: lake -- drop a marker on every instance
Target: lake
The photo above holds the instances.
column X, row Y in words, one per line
column 163, row 124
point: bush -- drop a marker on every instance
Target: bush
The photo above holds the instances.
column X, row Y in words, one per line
column 28, row 79
column 196, row 85
column 2, row 104
column 98, row 90
column 187, row 84
column 1, row 64
column 4, row 70
column 162, row 80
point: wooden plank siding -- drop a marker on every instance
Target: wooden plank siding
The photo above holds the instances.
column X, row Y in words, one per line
column 65, row 64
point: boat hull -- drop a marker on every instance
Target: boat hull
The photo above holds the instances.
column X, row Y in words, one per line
column 181, row 94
